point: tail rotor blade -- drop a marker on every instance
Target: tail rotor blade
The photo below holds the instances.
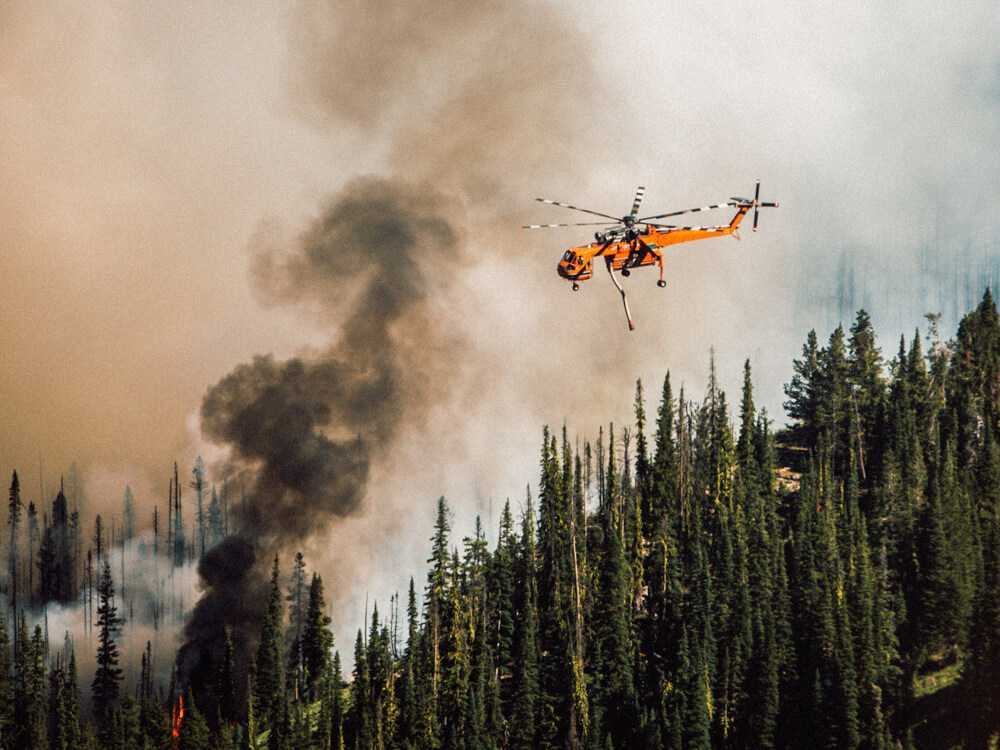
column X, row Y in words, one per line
column 756, row 205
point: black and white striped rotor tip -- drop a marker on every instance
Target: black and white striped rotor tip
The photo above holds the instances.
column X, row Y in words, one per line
column 638, row 199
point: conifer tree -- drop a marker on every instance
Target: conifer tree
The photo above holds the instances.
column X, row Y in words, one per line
column 664, row 468
column 336, row 688
column 33, row 537
column 437, row 581
column 30, row 731
column 269, row 683
column 562, row 692
column 867, row 393
column 128, row 515
column 454, row 692
column 360, row 714
column 406, row 692
column 6, row 688
column 804, row 392
column 228, row 706
column 193, row 733
column 317, row 640
column 526, row 657
column 501, row 604
column 108, row 675
column 14, row 508
column 201, row 518
column 67, row 732
column 612, row 620
column 297, row 598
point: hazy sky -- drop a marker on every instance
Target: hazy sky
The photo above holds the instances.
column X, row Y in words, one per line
column 151, row 150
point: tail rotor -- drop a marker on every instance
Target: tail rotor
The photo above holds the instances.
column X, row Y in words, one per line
column 757, row 205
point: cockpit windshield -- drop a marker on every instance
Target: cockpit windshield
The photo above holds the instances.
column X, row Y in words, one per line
column 569, row 257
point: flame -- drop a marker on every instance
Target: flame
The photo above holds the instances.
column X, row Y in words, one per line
column 178, row 717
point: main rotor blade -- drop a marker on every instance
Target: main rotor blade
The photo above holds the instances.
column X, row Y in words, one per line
column 616, row 219
column 581, row 224
column 686, row 211
column 638, row 199
column 659, row 226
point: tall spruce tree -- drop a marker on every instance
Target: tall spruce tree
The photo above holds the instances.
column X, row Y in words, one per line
column 7, row 725
column 14, row 508
column 269, row 678
column 108, row 676
column 317, row 640
column 526, row 697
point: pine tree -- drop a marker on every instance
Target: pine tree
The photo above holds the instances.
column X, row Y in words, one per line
column 215, row 520
column 228, row 705
column 297, row 598
column 128, row 515
column 360, row 717
column 804, row 393
column 454, row 693
column 317, row 640
column 30, row 731
column 664, row 469
column 7, row 725
column 269, row 683
column 868, row 393
column 336, row 688
column 501, row 604
column 612, row 619
column 33, row 536
column 561, row 722
column 108, row 675
column 193, row 733
column 406, row 691
column 71, row 707
column 198, row 485
column 14, row 507
column 526, row 657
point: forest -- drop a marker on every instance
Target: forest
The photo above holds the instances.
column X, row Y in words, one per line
column 697, row 579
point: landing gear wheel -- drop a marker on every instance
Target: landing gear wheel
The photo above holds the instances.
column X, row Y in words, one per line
column 661, row 283
column 625, row 272
column 576, row 287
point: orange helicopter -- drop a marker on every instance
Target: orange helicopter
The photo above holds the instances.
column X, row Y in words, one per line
column 636, row 242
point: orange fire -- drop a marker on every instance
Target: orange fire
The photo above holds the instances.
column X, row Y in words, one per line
column 178, row 717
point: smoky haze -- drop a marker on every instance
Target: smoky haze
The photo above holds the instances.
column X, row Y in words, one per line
column 148, row 147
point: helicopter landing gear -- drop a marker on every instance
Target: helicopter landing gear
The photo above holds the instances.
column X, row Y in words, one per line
column 625, row 272
column 661, row 283
column 576, row 287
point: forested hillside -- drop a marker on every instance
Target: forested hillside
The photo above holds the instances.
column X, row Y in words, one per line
column 695, row 579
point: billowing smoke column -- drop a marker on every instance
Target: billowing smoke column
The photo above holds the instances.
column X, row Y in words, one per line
column 303, row 432
column 445, row 90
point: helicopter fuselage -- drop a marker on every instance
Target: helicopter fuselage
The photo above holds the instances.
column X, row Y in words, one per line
column 637, row 246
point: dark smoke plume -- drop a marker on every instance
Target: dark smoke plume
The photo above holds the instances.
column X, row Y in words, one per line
column 449, row 90
column 303, row 432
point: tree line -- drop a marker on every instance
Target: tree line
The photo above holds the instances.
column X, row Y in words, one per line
column 665, row 586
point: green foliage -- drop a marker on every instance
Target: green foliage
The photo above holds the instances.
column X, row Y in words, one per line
column 269, row 678
column 696, row 606
column 108, row 675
